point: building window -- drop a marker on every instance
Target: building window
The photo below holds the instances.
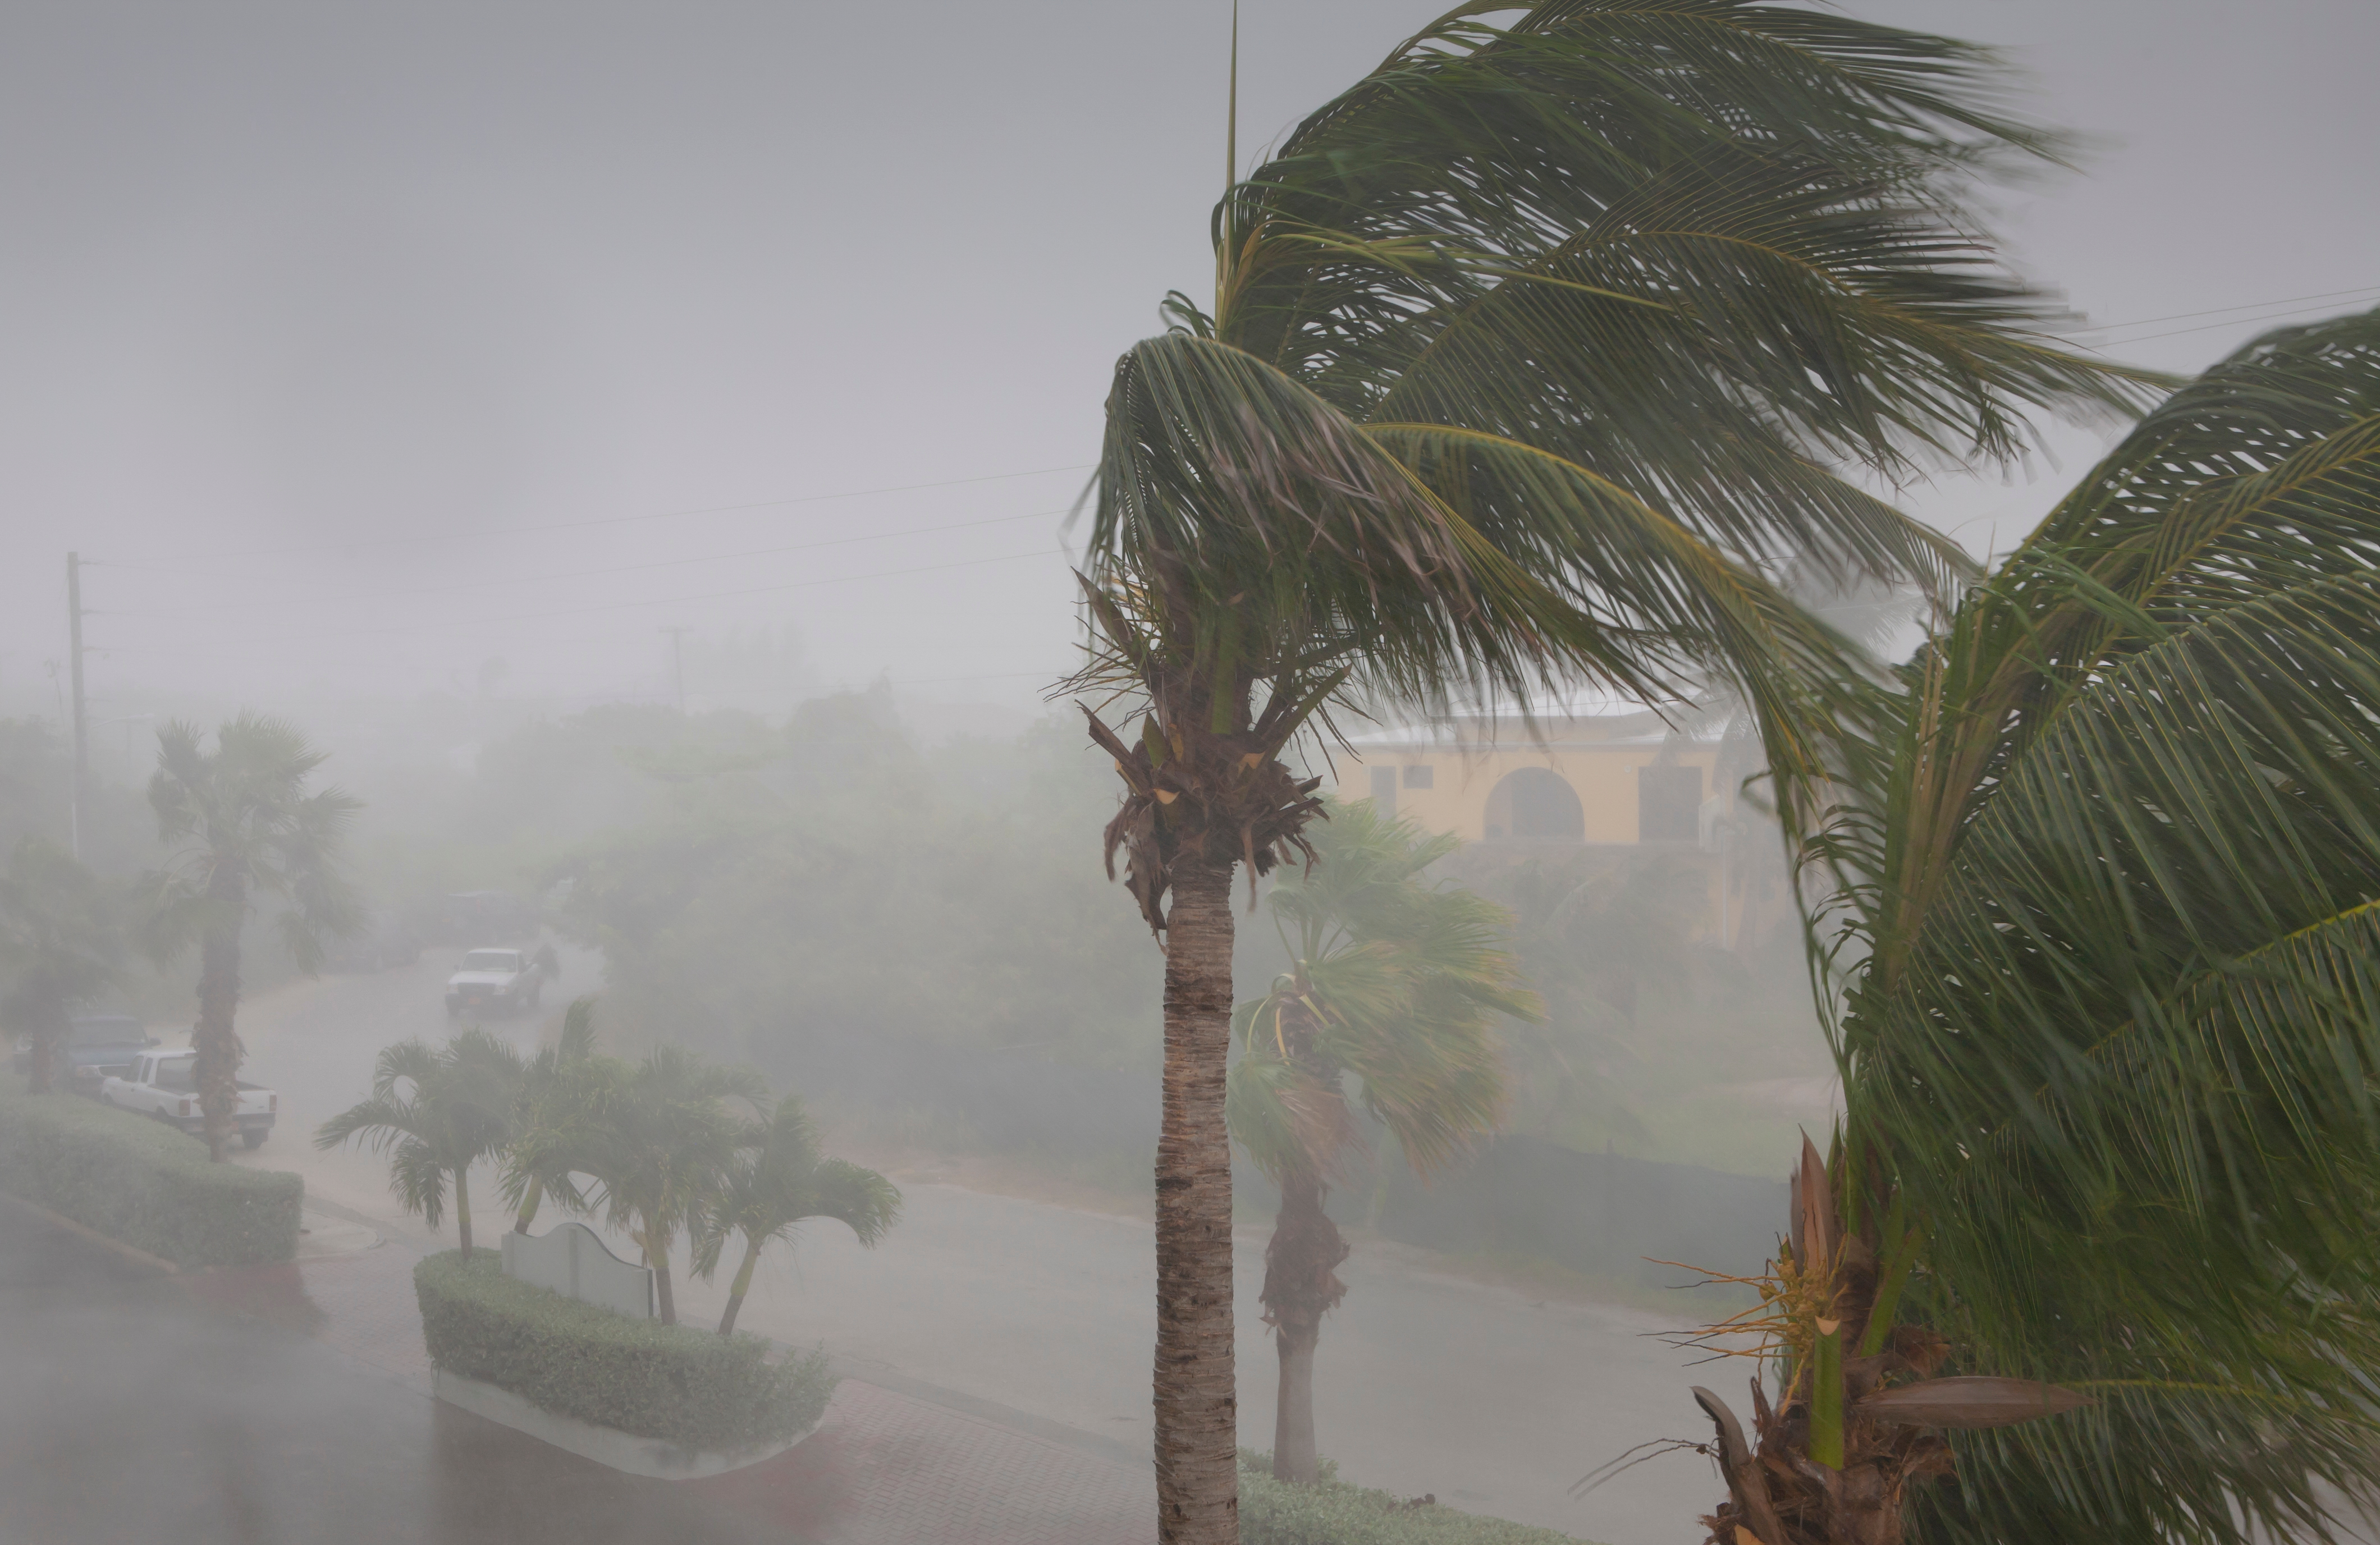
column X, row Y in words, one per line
column 1384, row 789
column 1418, row 777
column 1669, row 805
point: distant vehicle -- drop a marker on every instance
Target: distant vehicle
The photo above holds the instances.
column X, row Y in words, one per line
column 503, row 981
column 469, row 915
column 384, row 940
column 164, row 1085
column 97, row 1044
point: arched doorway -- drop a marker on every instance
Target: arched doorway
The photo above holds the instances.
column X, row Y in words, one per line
column 1535, row 804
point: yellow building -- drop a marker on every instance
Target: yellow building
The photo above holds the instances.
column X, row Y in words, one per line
column 1606, row 788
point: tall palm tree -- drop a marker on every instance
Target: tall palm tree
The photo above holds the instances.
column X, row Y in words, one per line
column 1528, row 355
column 779, row 1181
column 562, row 1090
column 2109, row 1045
column 437, row 1110
column 239, row 824
column 1397, row 983
column 61, row 945
column 660, row 1146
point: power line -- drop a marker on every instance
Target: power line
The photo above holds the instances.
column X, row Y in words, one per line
column 2218, row 310
column 590, row 573
column 2204, row 326
column 483, row 533
column 311, row 636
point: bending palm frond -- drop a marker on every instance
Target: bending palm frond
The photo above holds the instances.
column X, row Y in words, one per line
column 2116, row 1017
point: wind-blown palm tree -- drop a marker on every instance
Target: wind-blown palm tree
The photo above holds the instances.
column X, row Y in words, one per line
column 779, row 1181
column 1527, row 354
column 437, row 1110
column 660, row 1146
column 61, row 945
column 562, row 1090
column 2109, row 1046
column 1397, row 983
column 241, row 823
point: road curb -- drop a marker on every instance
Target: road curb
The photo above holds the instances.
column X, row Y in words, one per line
column 130, row 1254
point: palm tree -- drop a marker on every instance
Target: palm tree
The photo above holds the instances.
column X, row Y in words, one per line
column 239, row 824
column 1397, row 983
column 1528, row 355
column 660, row 1145
column 780, row 1180
column 441, row 1109
column 61, row 944
column 2108, row 1046
column 562, row 1089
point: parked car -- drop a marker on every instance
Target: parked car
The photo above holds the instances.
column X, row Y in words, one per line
column 164, row 1084
column 385, row 940
column 499, row 980
column 96, row 1043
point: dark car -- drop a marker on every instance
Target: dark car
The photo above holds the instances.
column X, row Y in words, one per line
column 97, row 1045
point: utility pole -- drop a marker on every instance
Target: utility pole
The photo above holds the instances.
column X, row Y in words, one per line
column 74, row 666
column 677, row 662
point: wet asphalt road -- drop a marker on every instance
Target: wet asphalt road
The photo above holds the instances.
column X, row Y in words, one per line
column 127, row 1414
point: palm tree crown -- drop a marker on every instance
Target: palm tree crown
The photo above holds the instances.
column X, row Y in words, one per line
column 780, row 1180
column 437, row 1110
column 2109, row 1042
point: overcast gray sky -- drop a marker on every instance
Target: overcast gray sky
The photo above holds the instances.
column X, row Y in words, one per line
column 361, row 345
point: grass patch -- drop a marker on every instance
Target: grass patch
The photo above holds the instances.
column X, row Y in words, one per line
column 144, row 1184
column 1331, row 1512
column 693, row 1388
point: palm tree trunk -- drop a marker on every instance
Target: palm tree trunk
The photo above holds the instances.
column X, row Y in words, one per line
column 657, row 1256
column 1198, row 1459
column 463, row 1209
column 213, row 1038
column 1301, row 1286
column 530, row 1200
column 742, row 1285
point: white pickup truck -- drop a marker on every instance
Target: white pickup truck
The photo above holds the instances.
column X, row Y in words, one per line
column 164, row 1085
column 506, row 981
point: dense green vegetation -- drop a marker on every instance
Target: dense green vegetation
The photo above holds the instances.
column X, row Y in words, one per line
column 637, row 1376
column 144, row 1183
column 1331, row 1512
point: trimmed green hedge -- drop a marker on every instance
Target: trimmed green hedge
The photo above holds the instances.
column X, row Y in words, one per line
column 1331, row 1512
column 682, row 1385
column 144, row 1183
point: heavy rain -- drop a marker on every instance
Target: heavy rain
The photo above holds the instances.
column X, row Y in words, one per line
column 1295, row 772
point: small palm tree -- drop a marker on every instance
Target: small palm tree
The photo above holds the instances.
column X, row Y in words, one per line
column 239, row 823
column 61, row 945
column 1529, row 357
column 779, row 1181
column 441, row 1109
column 2108, row 1043
column 660, row 1145
column 1397, row 983
column 563, row 1089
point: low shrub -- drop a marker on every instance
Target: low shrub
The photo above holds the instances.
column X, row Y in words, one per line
column 686, row 1386
column 144, row 1183
column 1331, row 1512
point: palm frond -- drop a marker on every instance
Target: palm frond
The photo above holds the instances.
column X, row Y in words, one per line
column 2115, row 1015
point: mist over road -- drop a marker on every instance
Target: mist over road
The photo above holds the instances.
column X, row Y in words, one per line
column 1427, row 1381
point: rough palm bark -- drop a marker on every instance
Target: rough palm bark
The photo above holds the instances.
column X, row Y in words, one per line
column 1197, row 1475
